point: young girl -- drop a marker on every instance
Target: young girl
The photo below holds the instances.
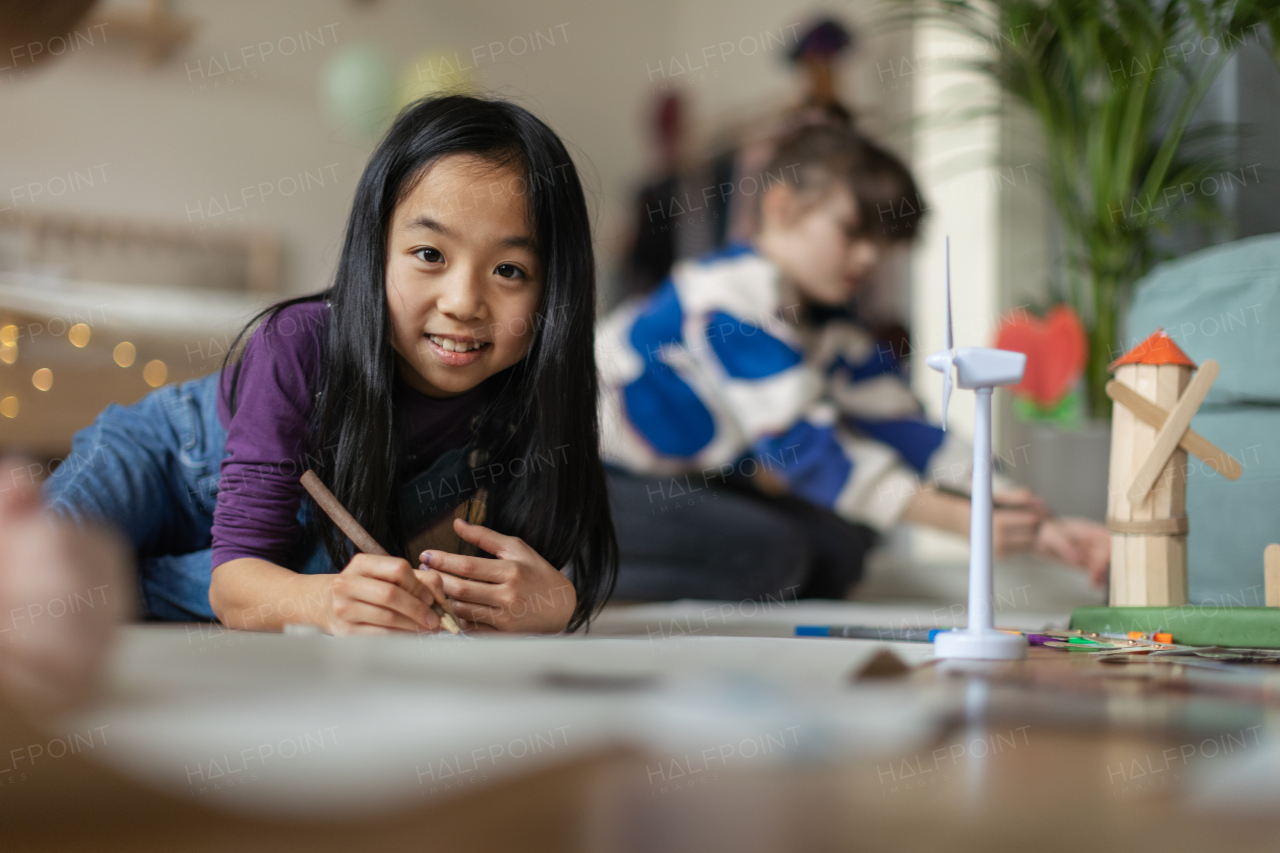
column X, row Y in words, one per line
column 448, row 371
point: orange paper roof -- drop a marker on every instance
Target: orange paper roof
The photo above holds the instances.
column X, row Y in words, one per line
column 1157, row 349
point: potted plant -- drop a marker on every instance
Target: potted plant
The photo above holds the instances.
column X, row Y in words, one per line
column 1113, row 85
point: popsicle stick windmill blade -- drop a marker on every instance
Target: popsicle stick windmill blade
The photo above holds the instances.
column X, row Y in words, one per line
column 979, row 369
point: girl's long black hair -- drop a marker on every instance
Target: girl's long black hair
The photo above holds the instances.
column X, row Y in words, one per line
column 543, row 408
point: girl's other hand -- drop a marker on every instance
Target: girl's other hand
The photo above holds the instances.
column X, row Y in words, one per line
column 1077, row 542
column 518, row 591
column 381, row 595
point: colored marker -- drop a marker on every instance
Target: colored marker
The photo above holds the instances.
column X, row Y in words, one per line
column 857, row 632
column 895, row 635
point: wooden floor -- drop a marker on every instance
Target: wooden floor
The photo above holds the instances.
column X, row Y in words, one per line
column 1057, row 752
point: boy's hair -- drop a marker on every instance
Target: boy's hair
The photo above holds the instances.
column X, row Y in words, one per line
column 542, row 408
column 816, row 157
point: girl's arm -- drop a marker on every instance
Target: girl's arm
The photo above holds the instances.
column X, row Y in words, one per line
column 372, row 595
column 259, row 494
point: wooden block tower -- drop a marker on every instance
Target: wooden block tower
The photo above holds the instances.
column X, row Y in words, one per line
column 1149, row 535
column 1151, row 435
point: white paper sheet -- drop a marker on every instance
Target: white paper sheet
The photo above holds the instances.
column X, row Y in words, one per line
column 349, row 726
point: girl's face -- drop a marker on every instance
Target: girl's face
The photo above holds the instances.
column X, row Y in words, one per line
column 463, row 277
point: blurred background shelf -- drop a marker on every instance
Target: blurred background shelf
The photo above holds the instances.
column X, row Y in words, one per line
column 102, row 309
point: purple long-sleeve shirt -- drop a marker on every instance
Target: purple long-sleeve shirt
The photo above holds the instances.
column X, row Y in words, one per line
column 259, row 492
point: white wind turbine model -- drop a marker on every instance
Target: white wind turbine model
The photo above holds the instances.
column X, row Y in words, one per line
column 979, row 369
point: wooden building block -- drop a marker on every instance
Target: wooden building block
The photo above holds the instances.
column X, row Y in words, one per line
column 1271, row 574
column 1169, row 436
column 1144, row 438
column 1122, row 421
column 1119, row 572
column 1147, row 570
column 1167, row 571
column 1135, row 585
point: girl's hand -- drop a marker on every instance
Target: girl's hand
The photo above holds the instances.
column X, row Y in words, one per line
column 519, row 591
column 1077, row 542
column 381, row 595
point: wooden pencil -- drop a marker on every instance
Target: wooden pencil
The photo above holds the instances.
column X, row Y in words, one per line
column 360, row 537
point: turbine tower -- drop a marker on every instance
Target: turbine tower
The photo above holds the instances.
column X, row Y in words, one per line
column 979, row 369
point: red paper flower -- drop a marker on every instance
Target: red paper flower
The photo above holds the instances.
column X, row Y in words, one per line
column 1055, row 347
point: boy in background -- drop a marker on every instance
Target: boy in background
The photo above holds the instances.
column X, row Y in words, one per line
column 760, row 440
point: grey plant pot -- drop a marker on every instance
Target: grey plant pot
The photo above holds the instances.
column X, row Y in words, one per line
column 1070, row 469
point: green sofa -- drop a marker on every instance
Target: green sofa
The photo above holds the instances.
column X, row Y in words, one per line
column 1224, row 303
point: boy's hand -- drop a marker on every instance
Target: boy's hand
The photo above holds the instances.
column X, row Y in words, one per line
column 381, row 595
column 1078, row 542
column 1016, row 517
column 1013, row 531
column 518, row 591
column 1021, row 522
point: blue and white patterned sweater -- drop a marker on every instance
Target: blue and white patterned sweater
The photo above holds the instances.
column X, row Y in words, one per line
column 712, row 374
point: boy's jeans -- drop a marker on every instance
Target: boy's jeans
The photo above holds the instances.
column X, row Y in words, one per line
column 151, row 470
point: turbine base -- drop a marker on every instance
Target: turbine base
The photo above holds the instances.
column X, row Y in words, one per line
column 964, row 644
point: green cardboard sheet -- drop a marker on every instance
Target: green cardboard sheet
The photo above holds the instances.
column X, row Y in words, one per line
column 1190, row 624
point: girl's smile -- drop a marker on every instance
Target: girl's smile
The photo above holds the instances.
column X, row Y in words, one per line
column 455, row 350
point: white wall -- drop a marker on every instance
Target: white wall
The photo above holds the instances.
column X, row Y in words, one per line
column 735, row 87
column 954, row 162
column 983, row 178
column 167, row 138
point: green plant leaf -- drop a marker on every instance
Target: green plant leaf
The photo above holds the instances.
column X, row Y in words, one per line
column 1114, row 92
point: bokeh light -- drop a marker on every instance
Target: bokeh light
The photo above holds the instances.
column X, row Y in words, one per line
column 155, row 373
column 42, row 379
column 124, row 354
